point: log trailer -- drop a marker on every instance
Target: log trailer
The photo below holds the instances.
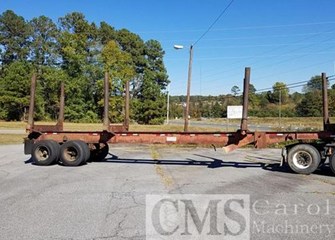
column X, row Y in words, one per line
column 48, row 144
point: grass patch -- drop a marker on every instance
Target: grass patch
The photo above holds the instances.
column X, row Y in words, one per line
column 311, row 123
column 98, row 127
column 289, row 124
column 11, row 138
column 172, row 128
column 12, row 125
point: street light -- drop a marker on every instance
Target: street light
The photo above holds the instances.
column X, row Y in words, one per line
column 187, row 110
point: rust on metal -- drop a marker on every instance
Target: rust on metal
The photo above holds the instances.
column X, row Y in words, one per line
column 127, row 100
column 63, row 136
column 30, row 124
column 325, row 101
column 206, row 138
column 106, row 101
column 119, row 133
column 47, row 128
column 60, row 121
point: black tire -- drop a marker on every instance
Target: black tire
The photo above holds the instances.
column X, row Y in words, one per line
column 303, row 158
column 45, row 152
column 100, row 152
column 86, row 149
column 74, row 153
column 332, row 162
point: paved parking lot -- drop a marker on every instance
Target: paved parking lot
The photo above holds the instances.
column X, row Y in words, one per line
column 107, row 200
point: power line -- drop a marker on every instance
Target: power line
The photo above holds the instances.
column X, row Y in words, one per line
column 238, row 28
column 278, row 62
column 268, row 56
column 252, row 37
column 215, row 21
column 296, row 84
column 330, row 79
column 278, row 48
column 262, row 45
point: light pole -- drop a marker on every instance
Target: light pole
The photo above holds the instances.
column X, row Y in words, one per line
column 189, row 78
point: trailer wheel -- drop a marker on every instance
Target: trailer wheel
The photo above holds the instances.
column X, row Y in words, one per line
column 99, row 152
column 74, row 153
column 303, row 158
column 86, row 149
column 332, row 162
column 45, row 152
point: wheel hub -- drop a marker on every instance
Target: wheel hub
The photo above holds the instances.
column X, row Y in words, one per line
column 302, row 159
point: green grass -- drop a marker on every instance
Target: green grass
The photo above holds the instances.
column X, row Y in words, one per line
column 312, row 123
column 308, row 122
column 12, row 125
column 99, row 127
column 11, row 138
column 287, row 123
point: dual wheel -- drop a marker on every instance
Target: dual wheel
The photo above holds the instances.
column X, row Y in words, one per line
column 70, row 153
column 305, row 159
column 332, row 162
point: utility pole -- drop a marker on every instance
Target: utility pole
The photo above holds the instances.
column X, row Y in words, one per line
column 106, row 101
column 30, row 124
column 126, row 117
column 246, row 84
column 325, row 102
column 187, row 110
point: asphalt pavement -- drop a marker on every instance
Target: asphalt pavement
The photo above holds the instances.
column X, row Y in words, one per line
column 110, row 199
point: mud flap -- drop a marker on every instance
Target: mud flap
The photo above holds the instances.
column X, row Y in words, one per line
column 284, row 156
column 28, row 145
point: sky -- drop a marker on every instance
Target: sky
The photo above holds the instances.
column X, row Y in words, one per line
column 281, row 41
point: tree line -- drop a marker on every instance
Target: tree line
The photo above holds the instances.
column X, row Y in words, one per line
column 269, row 103
column 78, row 53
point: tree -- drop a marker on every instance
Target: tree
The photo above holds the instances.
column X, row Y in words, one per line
column 44, row 56
column 14, row 35
column 315, row 83
column 135, row 46
column 76, row 52
column 43, row 41
column 106, row 33
column 235, row 90
column 77, row 46
column 14, row 89
column 49, row 80
column 217, row 110
column 252, row 89
column 120, row 67
column 280, row 93
column 253, row 97
column 151, row 101
column 310, row 105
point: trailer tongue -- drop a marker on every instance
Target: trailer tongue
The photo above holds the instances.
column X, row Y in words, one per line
column 50, row 143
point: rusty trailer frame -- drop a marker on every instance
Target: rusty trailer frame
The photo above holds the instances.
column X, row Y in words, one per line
column 229, row 141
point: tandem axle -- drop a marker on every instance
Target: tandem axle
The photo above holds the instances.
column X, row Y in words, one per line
column 48, row 144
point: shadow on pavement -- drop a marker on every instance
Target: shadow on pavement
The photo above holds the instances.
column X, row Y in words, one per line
column 210, row 163
column 267, row 164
